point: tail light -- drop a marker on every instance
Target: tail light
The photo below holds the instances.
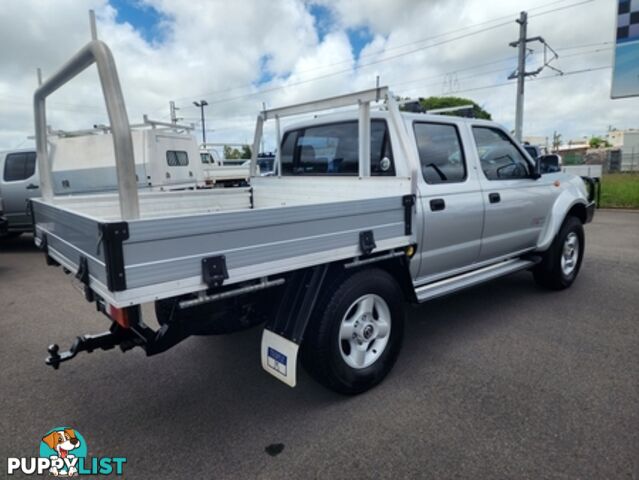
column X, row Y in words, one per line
column 119, row 316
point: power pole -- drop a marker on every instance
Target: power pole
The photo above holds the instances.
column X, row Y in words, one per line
column 520, row 73
column 201, row 104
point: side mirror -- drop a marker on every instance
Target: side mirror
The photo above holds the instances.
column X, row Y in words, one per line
column 549, row 163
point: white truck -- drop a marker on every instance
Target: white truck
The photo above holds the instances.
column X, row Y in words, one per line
column 368, row 210
column 219, row 172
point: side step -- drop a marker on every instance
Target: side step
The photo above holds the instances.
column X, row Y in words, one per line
column 465, row 280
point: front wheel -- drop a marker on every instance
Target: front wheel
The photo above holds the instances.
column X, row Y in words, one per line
column 356, row 333
column 561, row 263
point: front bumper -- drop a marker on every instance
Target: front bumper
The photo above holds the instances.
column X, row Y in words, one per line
column 590, row 211
column 4, row 225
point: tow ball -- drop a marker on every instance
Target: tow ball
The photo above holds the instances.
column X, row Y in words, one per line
column 139, row 334
column 88, row 343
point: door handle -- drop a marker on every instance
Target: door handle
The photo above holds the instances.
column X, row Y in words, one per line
column 437, row 204
column 32, row 186
column 494, row 197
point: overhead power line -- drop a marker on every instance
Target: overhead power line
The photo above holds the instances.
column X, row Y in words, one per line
column 392, row 57
column 547, row 77
column 89, row 108
column 71, row 107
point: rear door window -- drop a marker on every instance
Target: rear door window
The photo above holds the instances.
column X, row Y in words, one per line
column 440, row 152
column 177, row 158
column 19, row 166
column 333, row 149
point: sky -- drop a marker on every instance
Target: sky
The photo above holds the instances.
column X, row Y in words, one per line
column 239, row 55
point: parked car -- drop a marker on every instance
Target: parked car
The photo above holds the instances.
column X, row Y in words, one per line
column 549, row 162
column 369, row 210
column 266, row 163
column 19, row 182
column 3, row 219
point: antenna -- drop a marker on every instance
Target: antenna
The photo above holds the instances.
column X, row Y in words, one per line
column 173, row 109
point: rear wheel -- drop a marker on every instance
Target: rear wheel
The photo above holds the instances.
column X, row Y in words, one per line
column 562, row 261
column 355, row 336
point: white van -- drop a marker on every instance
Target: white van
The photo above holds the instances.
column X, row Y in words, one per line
column 165, row 159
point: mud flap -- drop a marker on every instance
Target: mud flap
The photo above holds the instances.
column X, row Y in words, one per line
column 284, row 333
column 279, row 357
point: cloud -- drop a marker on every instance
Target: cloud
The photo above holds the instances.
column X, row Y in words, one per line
column 237, row 55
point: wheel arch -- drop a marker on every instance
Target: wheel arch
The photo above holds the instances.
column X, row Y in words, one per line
column 567, row 204
column 578, row 210
column 399, row 269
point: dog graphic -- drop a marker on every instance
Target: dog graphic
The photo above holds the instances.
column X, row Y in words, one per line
column 62, row 441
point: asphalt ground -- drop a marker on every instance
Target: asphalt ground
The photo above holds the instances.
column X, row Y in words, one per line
column 502, row 381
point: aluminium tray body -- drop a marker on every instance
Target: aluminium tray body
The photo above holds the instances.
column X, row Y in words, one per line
column 143, row 260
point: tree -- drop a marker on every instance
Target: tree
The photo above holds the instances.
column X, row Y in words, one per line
column 246, row 151
column 231, row 153
column 432, row 103
column 556, row 141
column 598, row 142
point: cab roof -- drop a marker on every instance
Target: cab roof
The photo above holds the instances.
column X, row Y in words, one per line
column 408, row 117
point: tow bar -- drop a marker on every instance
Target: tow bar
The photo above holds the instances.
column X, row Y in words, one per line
column 84, row 343
column 138, row 334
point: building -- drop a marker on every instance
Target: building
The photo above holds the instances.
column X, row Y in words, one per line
column 537, row 140
column 573, row 152
column 628, row 142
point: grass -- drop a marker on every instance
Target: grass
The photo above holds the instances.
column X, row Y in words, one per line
column 620, row 190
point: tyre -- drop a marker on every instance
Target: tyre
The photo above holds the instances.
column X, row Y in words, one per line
column 561, row 262
column 355, row 336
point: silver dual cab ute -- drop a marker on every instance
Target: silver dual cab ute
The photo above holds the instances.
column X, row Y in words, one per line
column 366, row 210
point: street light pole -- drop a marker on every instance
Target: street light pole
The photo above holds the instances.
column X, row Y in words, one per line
column 201, row 104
